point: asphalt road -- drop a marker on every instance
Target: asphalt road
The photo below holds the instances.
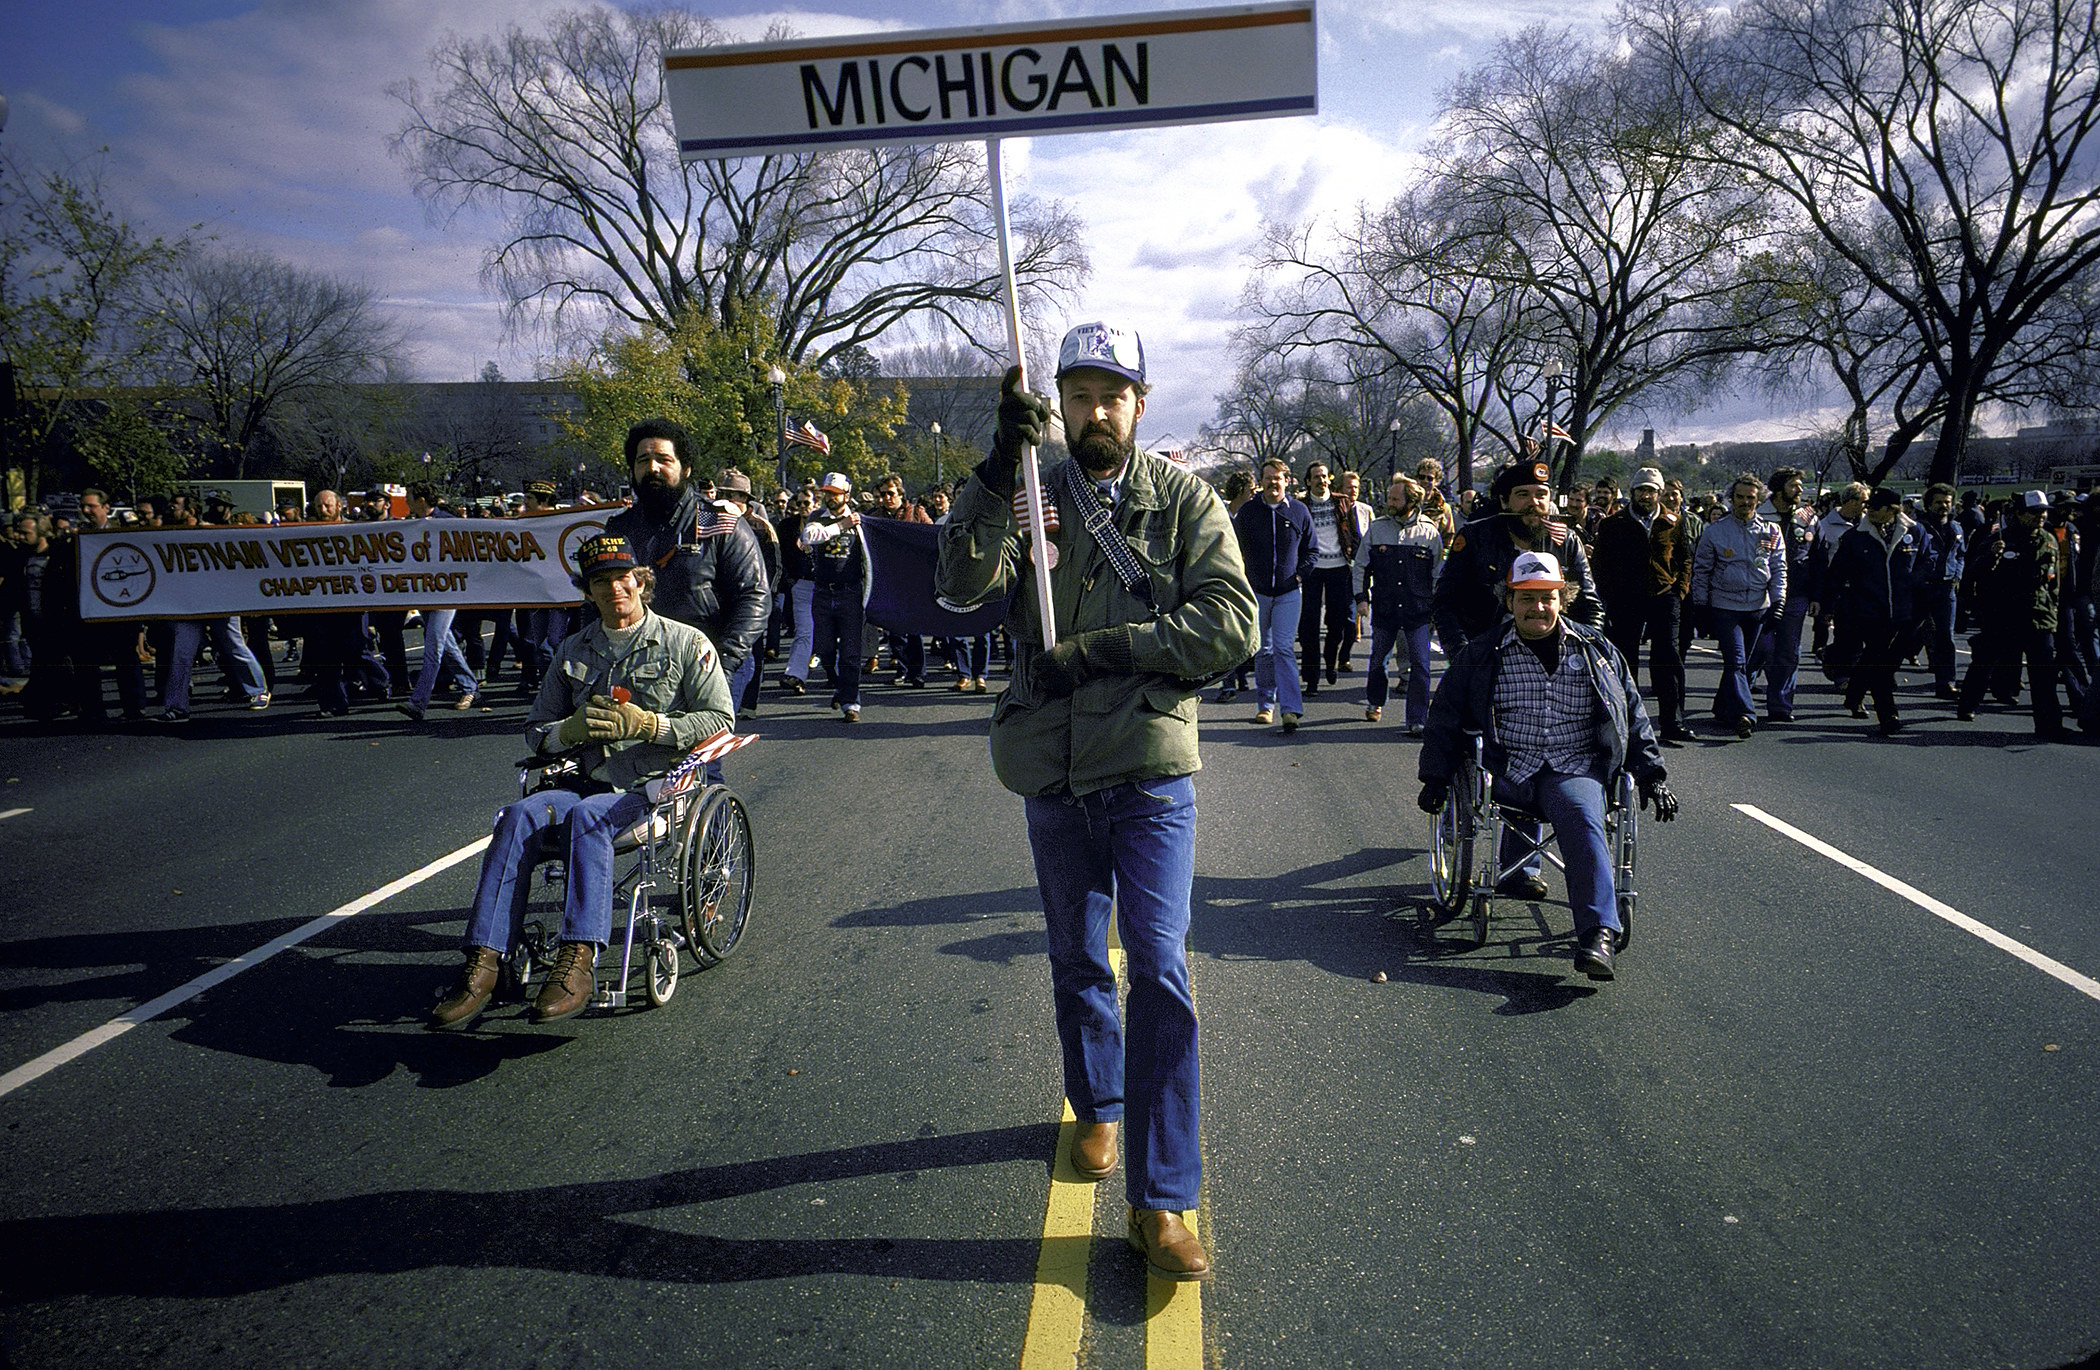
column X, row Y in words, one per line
column 1811, row 1124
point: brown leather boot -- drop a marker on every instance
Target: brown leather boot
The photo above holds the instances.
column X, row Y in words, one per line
column 1170, row 1250
column 1094, row 1150
column 570, row 985
column 470, row 995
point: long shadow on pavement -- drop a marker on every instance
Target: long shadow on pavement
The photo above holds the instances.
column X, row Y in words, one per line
column 1357, row 931
column 228, row 1251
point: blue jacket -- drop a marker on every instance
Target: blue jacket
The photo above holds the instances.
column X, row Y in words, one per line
column 1465, row 703
column 1276, row 544
column 1873, row 581
column 1740, row 567
column 1946, row 549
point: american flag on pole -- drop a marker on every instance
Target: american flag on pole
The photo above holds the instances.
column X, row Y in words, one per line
column 808, row 435
column 1554, row 430
column 691, row 768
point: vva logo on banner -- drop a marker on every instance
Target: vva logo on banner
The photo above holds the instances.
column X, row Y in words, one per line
column 324, row 567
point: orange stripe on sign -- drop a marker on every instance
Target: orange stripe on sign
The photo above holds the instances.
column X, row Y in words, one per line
column 888, row 46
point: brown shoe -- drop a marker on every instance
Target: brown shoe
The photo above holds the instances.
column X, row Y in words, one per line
column 470, row 995
column 570, row 985
column 1170, row 1250
column 1094, row 1150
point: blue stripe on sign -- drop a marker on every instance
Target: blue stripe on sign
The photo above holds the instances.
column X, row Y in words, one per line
column 907, row 133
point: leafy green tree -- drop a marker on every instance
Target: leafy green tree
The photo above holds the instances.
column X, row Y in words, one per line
column 129, row 452
column 75, row 280
column 714, row 383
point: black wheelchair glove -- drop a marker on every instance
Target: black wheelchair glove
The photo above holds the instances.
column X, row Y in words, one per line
column 1656, row 795
column 1434, row 793
column 1023, row 417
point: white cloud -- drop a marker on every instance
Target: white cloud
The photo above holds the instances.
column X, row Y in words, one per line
column 1172, row 214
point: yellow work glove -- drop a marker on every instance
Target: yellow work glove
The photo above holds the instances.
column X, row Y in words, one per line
column 611, row 721
column 575, row 730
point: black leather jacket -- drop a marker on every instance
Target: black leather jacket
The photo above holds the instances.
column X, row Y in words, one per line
column 717, row 584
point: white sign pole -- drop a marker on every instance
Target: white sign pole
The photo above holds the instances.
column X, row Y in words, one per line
column 1031, row 478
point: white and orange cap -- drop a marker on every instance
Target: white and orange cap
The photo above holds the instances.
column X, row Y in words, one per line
column 1536, row 571
column 836, row 480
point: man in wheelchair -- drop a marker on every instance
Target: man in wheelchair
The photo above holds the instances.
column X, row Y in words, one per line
column 1559, row 717
column 633, row 691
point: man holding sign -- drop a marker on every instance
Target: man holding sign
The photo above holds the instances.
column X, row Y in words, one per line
column 1098, row 735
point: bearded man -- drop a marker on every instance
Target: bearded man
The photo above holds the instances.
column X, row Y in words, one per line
column 1098, row 736
column 1477, row 567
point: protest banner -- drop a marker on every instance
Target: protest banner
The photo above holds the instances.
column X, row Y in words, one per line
column 303, row 568
column 1102, row 72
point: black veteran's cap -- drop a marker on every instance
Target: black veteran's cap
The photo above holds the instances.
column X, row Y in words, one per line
column 603, row 554
column 1883, row 498
column 1520, row 473
column 540, row 489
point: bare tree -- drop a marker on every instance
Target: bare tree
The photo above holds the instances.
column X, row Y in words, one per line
column 1629, row 238
column 1960, row 130
column 1262, row 417
column 1423, row 284
column 566, row 133
column 248, row 331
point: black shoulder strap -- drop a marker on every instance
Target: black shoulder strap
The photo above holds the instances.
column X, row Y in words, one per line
column 1094, row 514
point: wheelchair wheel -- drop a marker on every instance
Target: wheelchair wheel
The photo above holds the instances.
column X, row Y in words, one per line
column 1483, row 908
column 716, row 866
column 663, row 971
column 1451, row 846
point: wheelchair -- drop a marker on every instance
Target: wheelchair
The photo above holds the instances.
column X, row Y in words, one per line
column 1465, row 845
column 687, row 889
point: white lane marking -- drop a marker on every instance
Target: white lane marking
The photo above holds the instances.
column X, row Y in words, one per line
column 2084, row 984
column 12, row 813
column 153, row 1008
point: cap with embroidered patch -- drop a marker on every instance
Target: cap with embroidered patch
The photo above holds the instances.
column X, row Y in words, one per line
column 1105, row 348
column 1536, row 571
column 606, row 553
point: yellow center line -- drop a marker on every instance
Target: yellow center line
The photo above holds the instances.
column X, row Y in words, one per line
column 1057, row 1309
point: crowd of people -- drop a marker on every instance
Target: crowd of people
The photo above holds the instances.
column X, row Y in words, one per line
column 1872, row 582
column 1861, row 583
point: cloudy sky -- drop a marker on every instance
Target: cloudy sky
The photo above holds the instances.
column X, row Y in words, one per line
column 267, row 124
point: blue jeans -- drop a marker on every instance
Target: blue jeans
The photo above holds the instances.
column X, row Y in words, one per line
column 506, row 874
column 836, row 617
column 799, row 595
column 1736, row 631
column 1383, row 640
column 441, row 656
column 1276, row 664
column 1574, row 805
column 1939, row 600
column 1778, row 651
column 1132, row 849
column 235, row 659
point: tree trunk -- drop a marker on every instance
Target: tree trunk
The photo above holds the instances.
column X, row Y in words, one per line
column 1954, row 436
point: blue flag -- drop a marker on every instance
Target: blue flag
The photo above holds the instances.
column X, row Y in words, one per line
column 901, row 559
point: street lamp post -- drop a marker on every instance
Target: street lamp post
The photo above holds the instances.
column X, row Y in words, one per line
column 1392, row 452
column 777, row 378
column 935, row 429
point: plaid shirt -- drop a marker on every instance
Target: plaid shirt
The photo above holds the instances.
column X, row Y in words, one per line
column 1544, row 720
